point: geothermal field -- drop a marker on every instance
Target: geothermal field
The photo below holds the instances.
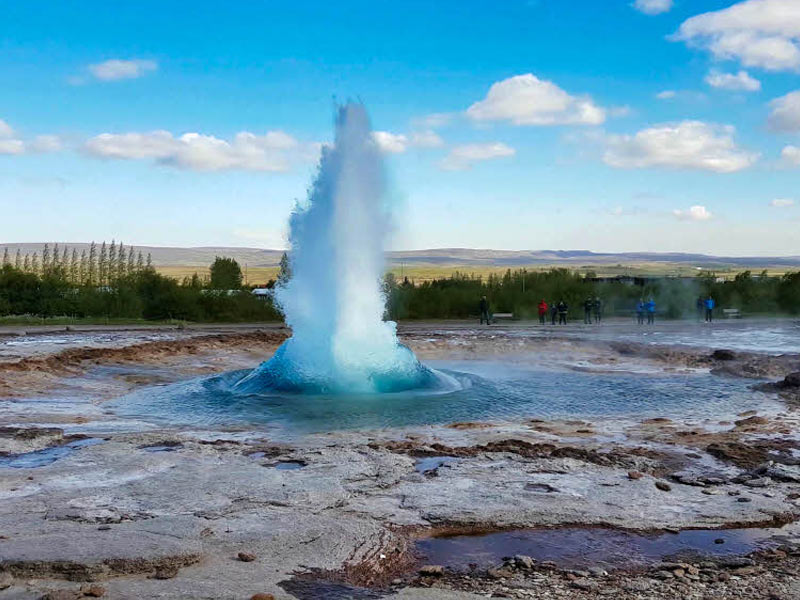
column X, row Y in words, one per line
column 343, row 456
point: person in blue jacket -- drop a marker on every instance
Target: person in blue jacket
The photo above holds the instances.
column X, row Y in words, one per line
column 640, row 309
column 651, row 311
column 710, row 304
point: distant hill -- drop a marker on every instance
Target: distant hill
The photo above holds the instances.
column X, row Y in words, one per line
column 447, row 257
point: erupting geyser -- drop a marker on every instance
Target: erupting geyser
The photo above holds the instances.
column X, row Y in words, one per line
column 334, row 301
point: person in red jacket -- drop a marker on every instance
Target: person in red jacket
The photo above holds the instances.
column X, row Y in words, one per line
column 543, row 311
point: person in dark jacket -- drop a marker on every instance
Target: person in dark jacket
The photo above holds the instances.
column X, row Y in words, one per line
column 553, row 312
column 588, row 305
column 598, row 309
column 640, row 310
column 484, row 307
column 543, row 308
column 563, row 309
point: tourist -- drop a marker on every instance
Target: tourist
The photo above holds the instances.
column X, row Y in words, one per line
column 640, row 311
column 598, row 309
column 563, row 309
column 710, row 304
column 651, row 311
column 484, row 306
column 543, row 312
column 553, row 312
column 588, row 306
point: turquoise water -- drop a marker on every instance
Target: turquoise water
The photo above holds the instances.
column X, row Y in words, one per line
column 491, row 392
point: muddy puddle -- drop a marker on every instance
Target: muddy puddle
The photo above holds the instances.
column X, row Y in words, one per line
column 47, row 456
column 581, row 548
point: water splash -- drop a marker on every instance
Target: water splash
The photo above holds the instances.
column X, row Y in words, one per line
column 334, row 301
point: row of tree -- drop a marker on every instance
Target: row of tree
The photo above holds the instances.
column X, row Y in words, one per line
column 520, row 291
column 101, row 266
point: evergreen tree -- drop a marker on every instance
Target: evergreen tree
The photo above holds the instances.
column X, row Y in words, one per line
column 45, row 259
column 55, row 260
column 121, row 261
column 18, row 260
column 83, row 269
column 6, row 260
column 91, row 269
column 102, row 265
column 286, row 269
column 26, row 266
column 139, row 262
column 112, row 261
column 35, row 264
column 75, row 276
column 149, row 262
column 65, row 261
column 131, row 261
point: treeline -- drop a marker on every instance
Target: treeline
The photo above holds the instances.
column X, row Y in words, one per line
column 519, row 292
column 112, row 282
column 101, row 265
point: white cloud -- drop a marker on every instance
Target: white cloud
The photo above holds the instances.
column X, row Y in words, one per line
column 790, row 156
column 115, row 69
column 759, row 33
column 463, row 157
column 434, row 120
column 11, row 143
column 426, row 139
column 390, row 143
column 528, row 100
column 397, row 143
column 687, row 145
column 666, row 95
column 653, row 7
column 272, row 151
column 781, row 203
column 742, row 81
column 785, row 115
column 693, row 213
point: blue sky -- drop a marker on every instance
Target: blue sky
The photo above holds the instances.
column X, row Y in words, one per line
column 657, row 125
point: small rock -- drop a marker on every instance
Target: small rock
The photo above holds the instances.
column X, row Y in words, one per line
column 679, row 572
column 710, row 492
column 526, row 562
column 638, row 585
column 744, row 571
column 397, row 581
column 61, row 595
column 743, row 499
column 723, row 355
column 736, row 562
column 166, row 572
column 635, row 475
column 719, row 541
column 759, row 482
column 663, row 575
column 93, row 591
column 246, row 556
column 432, row 570
column 6, row 581
column 584, row 584
column 262, row 597
column 663, row 486
column 499, row 573
column 104, row 527
column 598, row 571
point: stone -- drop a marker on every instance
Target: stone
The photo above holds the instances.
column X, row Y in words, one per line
column 735, row 562
column 743, row 499
column 526, row 562
column 167, row 572
column 93, row 591
column 663, row 486
column 679, row 572
column 61, row 595
column 633, row 475
column 584, row 584
column 760, row 482
column 719, row 541
column 6, row 581
column 638, row 585
column 723, row 354
column 246, row 556
column 598, row 571
column 432, row 570
column 745, row 571
column 262, row 597
column 499, row 573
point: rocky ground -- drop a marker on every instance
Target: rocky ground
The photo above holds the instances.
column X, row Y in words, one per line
column 232, row 514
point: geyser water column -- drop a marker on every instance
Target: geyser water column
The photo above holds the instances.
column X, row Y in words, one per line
column 334, row 301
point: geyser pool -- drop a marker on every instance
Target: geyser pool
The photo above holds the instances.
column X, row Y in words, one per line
column 333, row 300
